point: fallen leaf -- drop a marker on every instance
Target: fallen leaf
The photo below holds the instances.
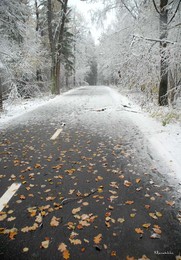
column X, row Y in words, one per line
column 37, row 165
column 71, row 191
column 152, row 215
column 129, row 202
column 3, row 216
column 113, row 192
column 31, row 228
column 132, row 215
column 139, row 231
column 146, row 225
column 157, row 231
column 170, row 203
column 155, row 236
column 127, row 183
column 12, row 233
column 11, row 219
column 75, row 241
column 98, row 238
column 76, row 210
column 159, row 214
column 25, row 249
column 99, row 178
column 147, row 206
column 113, row 253
column 62, row 247
column 138, row 180
column 54, row 221
column 114, row 185
column 45, row 244
column 110, row 207
column 121, row 220
column 66, row 254
column 85, row 203
column 130, row 258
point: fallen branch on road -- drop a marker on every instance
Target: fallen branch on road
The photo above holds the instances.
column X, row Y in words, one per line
column 67, row 200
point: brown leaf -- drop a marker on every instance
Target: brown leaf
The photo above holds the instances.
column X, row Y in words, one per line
column 70, row 171
column 54, row 221
column 12, row 233
column 75, row 241
column 66, row 254
column 138, row 180
column 39, row 218
column 127, row 183
column 62, row 247
column 130, row 258
column 157, row 230
column 147, row 206
column 37, row 165
column 129, row 202
column 3, row 216
column 114, row 185
column 139, row 231
column 170, row 203
column 98, row 238
column 76, row 210
column 22, row 197
column 45, row 244
column 113, row 253
column 152, row 215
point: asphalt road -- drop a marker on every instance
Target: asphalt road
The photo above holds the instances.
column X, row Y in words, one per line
column 91, row 192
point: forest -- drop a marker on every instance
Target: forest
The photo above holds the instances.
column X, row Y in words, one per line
column 47, row 47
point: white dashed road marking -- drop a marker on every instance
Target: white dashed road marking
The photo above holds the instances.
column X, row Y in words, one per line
column 9, row 194
column 56, row 134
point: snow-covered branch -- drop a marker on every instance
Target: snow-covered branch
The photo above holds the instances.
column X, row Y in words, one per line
column 155, row 40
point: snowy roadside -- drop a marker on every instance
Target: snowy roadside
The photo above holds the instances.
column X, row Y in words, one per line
column 164, row 141
column 19, row 108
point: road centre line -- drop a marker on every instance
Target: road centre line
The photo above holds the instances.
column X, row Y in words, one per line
column 8, row 195
column 56, row 134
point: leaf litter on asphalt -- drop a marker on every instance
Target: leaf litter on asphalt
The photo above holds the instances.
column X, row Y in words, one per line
column 82, row 214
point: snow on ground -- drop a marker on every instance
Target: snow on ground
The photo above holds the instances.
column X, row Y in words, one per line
column 165, row 141
column 19, row 107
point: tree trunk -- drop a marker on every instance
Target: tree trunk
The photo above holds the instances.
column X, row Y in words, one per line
column 1, row 96
column 56, row 47
column 52, row 45
column 57, row 84
column 163, row 97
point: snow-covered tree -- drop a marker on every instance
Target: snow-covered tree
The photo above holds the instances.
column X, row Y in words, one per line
column 143, row 45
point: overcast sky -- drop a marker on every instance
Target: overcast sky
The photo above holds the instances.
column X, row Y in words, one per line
column 85, row 8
